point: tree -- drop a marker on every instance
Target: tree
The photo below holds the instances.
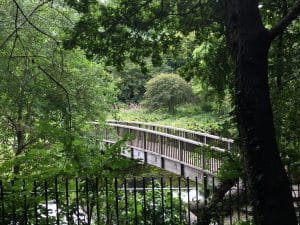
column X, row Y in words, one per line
column 250, row 42
column 152, row 27
column 131, row 83
column 47, row 94
column 166, row 91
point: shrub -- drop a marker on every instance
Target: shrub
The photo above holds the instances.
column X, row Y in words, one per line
column 166, row 91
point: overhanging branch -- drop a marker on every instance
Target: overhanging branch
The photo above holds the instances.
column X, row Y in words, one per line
column 293, row 13
column 64, row 89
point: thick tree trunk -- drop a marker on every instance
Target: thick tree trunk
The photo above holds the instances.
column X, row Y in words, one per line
column 268, row 182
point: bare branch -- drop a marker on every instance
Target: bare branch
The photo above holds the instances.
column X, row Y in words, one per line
column 285, row 21
column 33, row 25
column 20, row 26
column 15, row 40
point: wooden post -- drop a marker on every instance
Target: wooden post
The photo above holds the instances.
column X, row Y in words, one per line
column 161, row 149
column 144, row 140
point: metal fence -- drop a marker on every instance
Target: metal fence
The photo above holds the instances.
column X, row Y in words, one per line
column 115, row 201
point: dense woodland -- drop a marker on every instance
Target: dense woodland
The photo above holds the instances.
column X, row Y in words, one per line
column 224, row 67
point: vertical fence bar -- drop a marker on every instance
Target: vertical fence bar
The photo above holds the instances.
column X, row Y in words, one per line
column 205, row 189
column 230, row 207
column 87, row 200
column 153, row 200
column 56, row 201
column 162, row 200
column 189, row 206
column 2, row 202
column 135, row 201
column 117, row 200
column 171, row 199
column 126, row 199
column 25, row 203
column 35, row 203
column 197, row 198
column 77, row 200
column 180, row 202
column 107, row 202
column 222, row 211
column 298, row 199
column 238, row 200
column 246, row 200
column 13, row 203
column 144, row 202
column 97, row 200
column 46, row 201
column 67, row 199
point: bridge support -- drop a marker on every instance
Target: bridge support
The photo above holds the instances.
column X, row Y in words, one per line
column 162, row 162
column 182, row 170
column 145, row 157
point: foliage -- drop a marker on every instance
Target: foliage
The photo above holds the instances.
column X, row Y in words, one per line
column 211, row 63
column 188, row 116
column 166, row 91
column 231, row 168
column 132, row 79
column 101, row 20
column 131, row 83
column 249, row 222
column 47, row 95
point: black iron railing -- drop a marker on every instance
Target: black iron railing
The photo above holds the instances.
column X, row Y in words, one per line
column 132, row 201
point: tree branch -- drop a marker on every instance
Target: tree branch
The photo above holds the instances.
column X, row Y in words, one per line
column 19, row 27
column 15, row 39
column 64, row 89
column 33, row 25
column 44, row 33
column 12, row 122
column 293, row 13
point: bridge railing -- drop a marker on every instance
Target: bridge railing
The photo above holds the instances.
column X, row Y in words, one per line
column 212, row 140
column 169, row 151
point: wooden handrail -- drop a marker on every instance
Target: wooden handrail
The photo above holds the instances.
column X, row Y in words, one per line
column 175, row 129
column 185, row 140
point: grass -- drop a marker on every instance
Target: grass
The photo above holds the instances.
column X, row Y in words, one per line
column 186, row 116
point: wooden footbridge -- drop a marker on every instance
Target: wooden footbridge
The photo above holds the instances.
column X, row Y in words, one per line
column 180, row 151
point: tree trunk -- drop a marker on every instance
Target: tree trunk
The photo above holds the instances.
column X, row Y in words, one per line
column 205, row 213
column 268, row 182
column 20, row 134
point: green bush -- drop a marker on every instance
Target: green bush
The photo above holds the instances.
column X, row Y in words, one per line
column 166, row 91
